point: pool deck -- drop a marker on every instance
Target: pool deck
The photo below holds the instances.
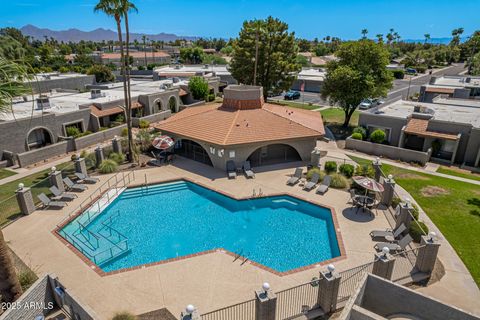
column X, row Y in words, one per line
column 208, row 281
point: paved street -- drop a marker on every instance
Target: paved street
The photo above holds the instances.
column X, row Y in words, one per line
column 307, row 97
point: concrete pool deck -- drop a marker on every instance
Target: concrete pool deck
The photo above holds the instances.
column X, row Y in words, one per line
column 209, row 281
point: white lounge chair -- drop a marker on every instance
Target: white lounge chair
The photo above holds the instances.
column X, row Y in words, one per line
column 394, row 234
column 296, row 177
column 49, row 203
column 58, row 195
column 74, row 186
column 399, row 245
column 86, row 178
column 325, row 185
column 248, row 170
column 312, row 183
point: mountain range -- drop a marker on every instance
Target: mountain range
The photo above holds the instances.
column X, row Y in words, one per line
column 96, row 35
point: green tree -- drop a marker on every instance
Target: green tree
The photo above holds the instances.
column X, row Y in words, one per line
column 102, row 73
column 11, row 49
column 359, row 73
column 198, row 87
column 427, row 37
column 364, row 33
column 321, row 50
column 277, row 53
column 303, row 45
column 303, row 61
column 475, row 69
column 192, row 55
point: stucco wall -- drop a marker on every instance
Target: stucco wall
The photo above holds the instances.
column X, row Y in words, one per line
column 454, row 128
column 394, row 124
column 69, row 83
column 93, row 138
column 37, row 155
column 149, row 101
column 472, row 150
column 153, row 117
column 387, row 151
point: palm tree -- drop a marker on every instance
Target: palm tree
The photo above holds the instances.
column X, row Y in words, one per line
column 364, row 33
column 427, row 37
column 379, row 38
column 116, row 9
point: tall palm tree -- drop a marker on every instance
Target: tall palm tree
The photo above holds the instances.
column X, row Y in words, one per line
column 379, row 38
column 115, row 9
column 364, row 33
column 427, row 37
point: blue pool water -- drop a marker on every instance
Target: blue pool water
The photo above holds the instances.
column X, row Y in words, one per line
column 181, row 218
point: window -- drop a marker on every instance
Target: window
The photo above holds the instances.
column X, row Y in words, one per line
column 448, row 146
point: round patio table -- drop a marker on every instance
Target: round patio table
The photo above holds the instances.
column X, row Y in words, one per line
column 365, row 201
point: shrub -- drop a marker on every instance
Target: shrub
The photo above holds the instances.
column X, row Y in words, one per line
column 395, row 202
column 102, row 73
column 415, row 230
column 119, row 158
column 198, row 87
column 365, row 170
column 211, row 97
column 377, row 136
column 143, row 124
column 120, row 118
column 347, row 170
column 108, row 166
column 124, row 132
column 360, row 130
column 421, row 69
column 330, row 167
column 26, row 278
column 74, row 157
column 141, row 68
column 357, row 136
column 315, row 170
column 339, row 181
column 72, row 132
column 415, row 211
column 398, row 74
column 124, row 316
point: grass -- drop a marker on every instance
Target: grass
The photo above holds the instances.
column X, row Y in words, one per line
column 6, row 173
column 9, row 209
column 333, row 119
column 293, row 104
column 459, row 173
column 456, row 211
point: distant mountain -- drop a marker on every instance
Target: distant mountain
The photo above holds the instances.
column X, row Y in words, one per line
column 445, row 40
column 97, row 35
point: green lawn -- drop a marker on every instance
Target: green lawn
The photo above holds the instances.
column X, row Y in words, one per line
column 452, row 205
column 6, row 173
column 459, row 173
column 293, row 104
column 337, row 116
column 8, row 204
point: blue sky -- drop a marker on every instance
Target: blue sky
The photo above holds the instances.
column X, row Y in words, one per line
column 309, row 19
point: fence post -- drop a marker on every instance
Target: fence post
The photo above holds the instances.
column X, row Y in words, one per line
column 328, row 286
column 99, row 156
column 403, row 214
column 116, row 145
column 56, row 179
column 377, row 166
column 383, row 264
column 265, row 304
column 389, row 190
column 80, row 166
column 427, row 253
column 191, row 313
column 25, row 199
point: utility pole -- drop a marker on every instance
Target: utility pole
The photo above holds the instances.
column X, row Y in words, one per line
column 144, row 38
column 153, row 53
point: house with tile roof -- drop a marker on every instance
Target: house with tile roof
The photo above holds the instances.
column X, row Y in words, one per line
column 242, row 128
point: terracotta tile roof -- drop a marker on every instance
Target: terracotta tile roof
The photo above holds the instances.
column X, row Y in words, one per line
column 110, row 111
column 226, row 126
column 116, row 56
column 420, row 127
column 440, row 90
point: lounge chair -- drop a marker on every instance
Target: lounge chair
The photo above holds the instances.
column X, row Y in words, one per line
column 394, row 234
column 49, row 203
column 312, row 183
column 296, row 177
column 231, row 169
column 85, row 178
column 59, row 195
column 399, row 245
column 248, row 170
column 324, row 185
column 74, row 186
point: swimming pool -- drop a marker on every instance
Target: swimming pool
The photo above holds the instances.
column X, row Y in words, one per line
column 180, row 218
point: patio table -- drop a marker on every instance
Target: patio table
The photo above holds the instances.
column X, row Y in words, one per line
column 365, row 201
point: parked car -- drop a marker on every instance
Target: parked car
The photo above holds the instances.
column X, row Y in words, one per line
column 370, row 103
column 411, row 71
column 291, row 95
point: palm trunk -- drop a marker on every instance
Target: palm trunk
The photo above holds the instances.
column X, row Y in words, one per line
column 123, row 69
column 10, row 289
column 131, row 147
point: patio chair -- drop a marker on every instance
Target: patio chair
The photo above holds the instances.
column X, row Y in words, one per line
column 85, row 178
column 296, row 177
column 399, row 245
column 231, row 169
column 74, row 186
column 394, row 234
column 312, row 183
column 248, row 170
column 49, row 203
column 324, row 185
column 59, row 195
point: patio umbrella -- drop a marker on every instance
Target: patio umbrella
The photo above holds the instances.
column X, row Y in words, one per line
column 368, row 183
column 163, row 142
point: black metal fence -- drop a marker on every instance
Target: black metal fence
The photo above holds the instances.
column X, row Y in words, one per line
column 241, row 311
column 298, row 300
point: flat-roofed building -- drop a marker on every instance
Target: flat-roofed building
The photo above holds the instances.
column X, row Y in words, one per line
column 45, row 82
column 139, row 58
column 458, row 87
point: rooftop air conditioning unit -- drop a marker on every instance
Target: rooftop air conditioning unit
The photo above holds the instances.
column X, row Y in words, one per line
column 43, row 103
column 95, row 93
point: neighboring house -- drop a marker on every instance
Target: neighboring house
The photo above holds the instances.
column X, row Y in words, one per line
column 449, row 127
column 311, row 79
column 158, row 57
column 244, row 128
column 46, row 82
column 458, row 87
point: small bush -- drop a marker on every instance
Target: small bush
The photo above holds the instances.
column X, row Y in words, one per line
column 120, row 118
column 339, row 181
column 315, row 170
column 360, row 130
column 144, row 124
column 141, row 68
column 108, row 166
column 395, row 202
column 347, row 170
column 211, row 97
column 415, row 211
column 124, row 132
column 377, row 136
column 365, row 170
column 119, row 158
column 330, row 167
column 72, row 132
column 124, row 316
column 421, row 69
column 357, row 136
column 398, row 74
column 26, row 278
column 415, row 230
column 74, row 157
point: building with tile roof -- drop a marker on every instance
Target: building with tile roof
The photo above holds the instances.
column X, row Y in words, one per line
column 244, row 128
